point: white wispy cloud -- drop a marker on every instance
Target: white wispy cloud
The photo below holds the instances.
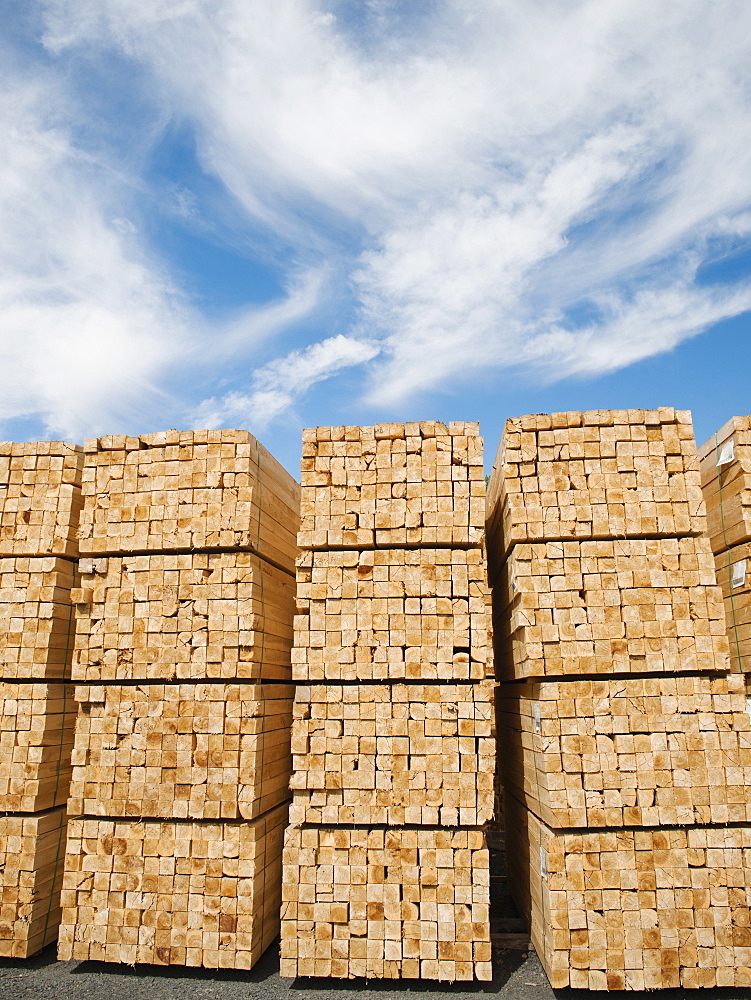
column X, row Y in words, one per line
column 486, row 173
column 277, row 385
column 86, row 320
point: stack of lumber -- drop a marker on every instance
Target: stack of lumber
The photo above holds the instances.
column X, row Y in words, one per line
column 386, row 869
column 40, row 500
column 392, row 614
column 36, row 617
column 36, row 739
column 187, row 490
column 599, row 474
column 623, row 737
column 32, row 846
column 181, row 761
column 637, row 751
column 40, row 486
column 393, row 484
column 182, row 751
column 171, row 893
column 395, row 903
column 393, row 754
column 637, row 909
column 218, row 615
column 599, row 607
column 725, row 463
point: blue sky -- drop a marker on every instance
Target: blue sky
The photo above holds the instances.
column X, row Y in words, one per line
column 271, row 216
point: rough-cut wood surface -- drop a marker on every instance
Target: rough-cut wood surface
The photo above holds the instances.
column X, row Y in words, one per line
column 222, row 615
column 169, row 893
column 630, row 605
column 32, row 849
column 734, row 577
column 634, row 909
column 36, row 738
column 657, row 751
column 40, row 498
column 187, row 490
column 598, row 474
column 385, row 904
column 652, row 765
column 727, row 485
column 419, row 614
column 386, row 872
column 393, row 754
column 392, row 484
column 40, row 502
column 36, row 617
column 726, row 481
column 179, row 751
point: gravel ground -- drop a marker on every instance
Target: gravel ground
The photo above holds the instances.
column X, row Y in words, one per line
column 518, row 976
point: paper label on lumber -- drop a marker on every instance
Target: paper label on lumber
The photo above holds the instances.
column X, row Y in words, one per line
column 536, row 716
column 543, row 862
column 726, row 453
column 739, row 574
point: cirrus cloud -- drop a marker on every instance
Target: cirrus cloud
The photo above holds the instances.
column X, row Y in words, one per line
column 531, row 183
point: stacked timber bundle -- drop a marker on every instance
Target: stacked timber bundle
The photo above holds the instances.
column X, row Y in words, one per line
column 601, row 474
column 181, row 760
column 198, row 893
column 415, row 484
column 393, row 721
column 603, row 607
column 402, row 903
column 213, row 490
column 393, row 754
column 637, row 751
column 392, row 614
column 36, row 739
column 36, row 617
column 181, row 751
column 32, row 847
column 623, row 737
column 636, row 908
column 40, row 500
column 725, row 462
column 192, row 616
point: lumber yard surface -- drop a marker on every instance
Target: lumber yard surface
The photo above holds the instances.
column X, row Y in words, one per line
column 516, row 976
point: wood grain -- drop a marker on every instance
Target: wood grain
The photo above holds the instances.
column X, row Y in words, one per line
column 40, row 498
column 385, row 904
column 392, row 485
column 170, row 893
